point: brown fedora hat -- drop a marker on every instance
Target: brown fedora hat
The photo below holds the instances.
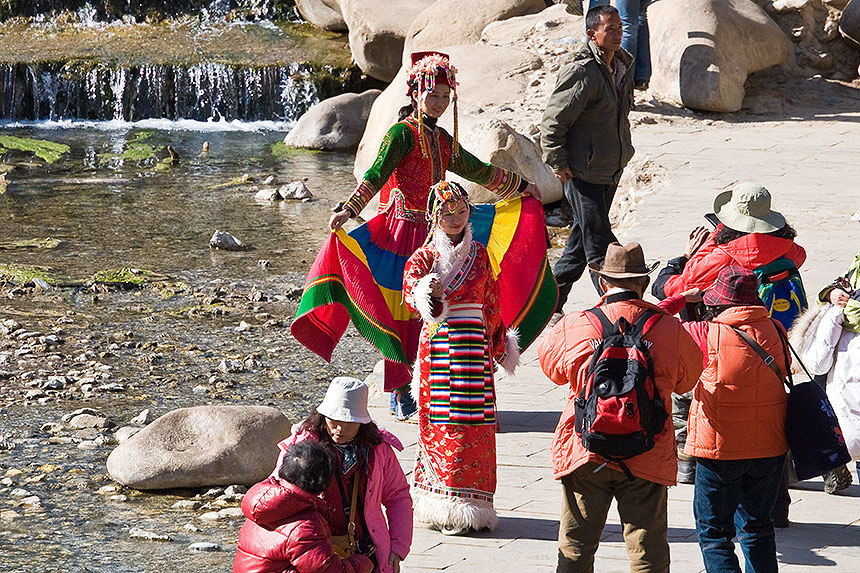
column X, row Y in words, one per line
column 624, row 262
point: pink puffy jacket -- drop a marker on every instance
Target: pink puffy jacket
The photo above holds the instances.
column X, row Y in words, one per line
column 287, row 530
column 386, row 486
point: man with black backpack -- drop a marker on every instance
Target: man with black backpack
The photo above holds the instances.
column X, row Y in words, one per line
column 623, row 360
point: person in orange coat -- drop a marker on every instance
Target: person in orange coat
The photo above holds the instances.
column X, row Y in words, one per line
column 589, row 481
column 736, row 428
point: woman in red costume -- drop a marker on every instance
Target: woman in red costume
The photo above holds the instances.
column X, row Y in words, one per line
column 450, row 283
column 359, row 275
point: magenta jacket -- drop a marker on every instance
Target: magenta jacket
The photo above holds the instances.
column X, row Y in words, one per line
column 287, row 530
column 386, row 486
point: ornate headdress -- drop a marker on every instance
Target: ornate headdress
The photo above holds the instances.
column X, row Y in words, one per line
column 427, row 69
column 445, row 195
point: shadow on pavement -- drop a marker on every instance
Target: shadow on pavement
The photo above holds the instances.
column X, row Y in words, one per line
column 801, row 544
column 513, row 421
column 522, row 528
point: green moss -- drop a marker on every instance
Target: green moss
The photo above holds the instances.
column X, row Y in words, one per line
column 241, row 180
column 21, row 274
column 47, row 243
column 124, row 277
column 48, row 151
column 280, row 149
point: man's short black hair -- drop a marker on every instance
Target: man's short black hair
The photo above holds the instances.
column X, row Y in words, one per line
column 592, row 19
column 307, row 465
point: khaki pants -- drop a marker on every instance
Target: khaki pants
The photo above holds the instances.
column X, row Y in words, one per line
column 642, row 507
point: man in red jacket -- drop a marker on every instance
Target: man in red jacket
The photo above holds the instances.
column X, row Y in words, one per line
column 590, row 482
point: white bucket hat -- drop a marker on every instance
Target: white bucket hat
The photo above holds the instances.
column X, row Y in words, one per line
column 746, row 208
column 346, row 401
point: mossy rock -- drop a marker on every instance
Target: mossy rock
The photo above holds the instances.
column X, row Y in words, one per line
column 280, row 149
column 48, row 151
column 23, row 274
column 125, row 278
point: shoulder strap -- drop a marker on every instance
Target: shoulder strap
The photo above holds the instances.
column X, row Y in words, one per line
column 647, row 319
column 598, row 320
column 350, row 529
column 767, row 358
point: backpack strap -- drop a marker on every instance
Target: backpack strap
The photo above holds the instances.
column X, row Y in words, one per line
column 599, row 320
column 646, row 320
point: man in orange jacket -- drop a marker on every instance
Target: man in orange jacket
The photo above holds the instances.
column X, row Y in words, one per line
column 590, row 482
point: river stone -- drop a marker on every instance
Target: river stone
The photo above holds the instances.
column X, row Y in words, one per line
column 123, row 434
column 143, row 418
column 335, row 123
column 201, row 446
column 444, row 20
column 267, row 194
column 82, row 421
column 324, row 14
column 225, row 241
column 487, row 75
column 377, row 30
column 296, row 190
column 204, row 546
column 703, row 50
column 849, row 24
column 138, row 533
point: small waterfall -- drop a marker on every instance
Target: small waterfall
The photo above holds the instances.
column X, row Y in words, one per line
column 207, row 91
column 92, row 11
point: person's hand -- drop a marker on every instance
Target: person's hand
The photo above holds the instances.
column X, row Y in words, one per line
column 564, row 175
column 838, row 297
column 697, row 238
column 533, row 190
column 693, row 295
column 338, row 219
column 394, row 560
column 435, row 288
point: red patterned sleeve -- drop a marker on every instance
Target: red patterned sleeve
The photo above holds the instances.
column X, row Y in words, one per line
column 416, row 285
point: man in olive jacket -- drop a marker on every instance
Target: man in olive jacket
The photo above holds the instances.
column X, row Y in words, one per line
column 585, row 136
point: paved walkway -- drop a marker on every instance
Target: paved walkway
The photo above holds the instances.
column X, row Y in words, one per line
column 812, row 167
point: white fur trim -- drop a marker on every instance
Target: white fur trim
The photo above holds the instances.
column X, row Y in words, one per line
column 424, row 301
column 511, row 359
column 441, row 510
column 451, row 257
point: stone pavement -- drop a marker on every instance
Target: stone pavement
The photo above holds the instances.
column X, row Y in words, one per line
column 811, row 164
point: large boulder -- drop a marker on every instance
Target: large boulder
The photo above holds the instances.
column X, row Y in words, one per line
column 453, row 21
column 377, row 30
column 496, row 142
column 201, row 446
column 334, row 123
column 849, row 24
column 324, row 14
column 488, row 76
column 703, row 50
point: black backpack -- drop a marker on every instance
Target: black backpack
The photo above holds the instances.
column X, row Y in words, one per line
column 619, row 410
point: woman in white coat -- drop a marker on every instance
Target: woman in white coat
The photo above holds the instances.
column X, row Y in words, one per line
column 832, row 347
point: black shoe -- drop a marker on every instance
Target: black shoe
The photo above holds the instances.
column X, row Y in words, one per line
column 640, row 85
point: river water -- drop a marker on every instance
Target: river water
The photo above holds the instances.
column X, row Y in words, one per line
column 158, row 347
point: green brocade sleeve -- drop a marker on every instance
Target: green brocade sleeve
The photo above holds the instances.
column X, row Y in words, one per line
column 396, row 145
column 500, row 181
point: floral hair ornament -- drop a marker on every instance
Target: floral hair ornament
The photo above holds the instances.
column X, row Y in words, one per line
column 427, row 69
column 445, row 195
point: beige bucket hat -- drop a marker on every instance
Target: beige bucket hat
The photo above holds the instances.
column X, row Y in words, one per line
column 746, row 208
column 346, row 401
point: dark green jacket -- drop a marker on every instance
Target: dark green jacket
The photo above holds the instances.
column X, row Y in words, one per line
column 585, row 125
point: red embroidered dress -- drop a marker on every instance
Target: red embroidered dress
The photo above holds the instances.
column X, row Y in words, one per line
column 359, row 275
column 455, row 472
